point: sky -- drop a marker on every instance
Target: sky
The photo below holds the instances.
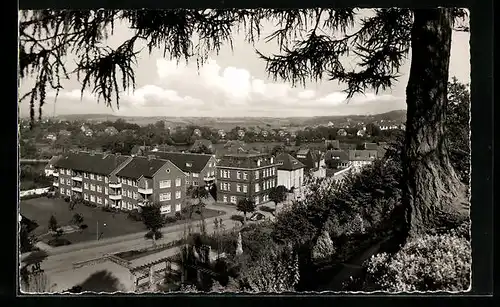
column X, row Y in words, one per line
column 234, row 83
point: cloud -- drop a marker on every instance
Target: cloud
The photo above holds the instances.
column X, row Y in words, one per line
column 231, row 91
column 307, row 94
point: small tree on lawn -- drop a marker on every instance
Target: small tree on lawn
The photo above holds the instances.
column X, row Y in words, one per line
column 245, row 205
column 199, row 193
column 53, row 224
column 278, row 195
column 77, row 220
column 152, row 218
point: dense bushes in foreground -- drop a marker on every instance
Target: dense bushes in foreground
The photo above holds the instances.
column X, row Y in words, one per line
column 429, row 263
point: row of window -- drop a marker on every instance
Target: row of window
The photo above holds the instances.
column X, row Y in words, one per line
column 168, row 183
column 168, row 208
column 267, row 172
column 168, row 196
column 226, row 186
column 95, row 199
column 127, row 181
column 233, row 199
column 85, row 175
column 195, row 183
column 65, row 191
column 130, row 194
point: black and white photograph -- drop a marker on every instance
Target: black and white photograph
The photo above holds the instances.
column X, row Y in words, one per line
column 322, row 150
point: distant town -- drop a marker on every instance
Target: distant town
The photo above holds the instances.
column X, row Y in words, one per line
column 120, row 166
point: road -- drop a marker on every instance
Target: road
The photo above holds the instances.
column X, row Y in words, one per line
column 62, row 258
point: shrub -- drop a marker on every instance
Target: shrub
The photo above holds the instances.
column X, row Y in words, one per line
column 238, row 218
column 67, row 199
column 178, row 216
column 429, row 263
column 323, row 249
column 170, row 219
column 266, row 209
column 59, row 242
column 134, row 215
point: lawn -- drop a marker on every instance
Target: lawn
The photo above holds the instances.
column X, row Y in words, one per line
column 41, row 209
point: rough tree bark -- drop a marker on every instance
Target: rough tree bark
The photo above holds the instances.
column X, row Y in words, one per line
column 433, row 194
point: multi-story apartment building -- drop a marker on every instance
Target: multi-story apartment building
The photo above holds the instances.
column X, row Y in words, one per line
column 146, row 180
column 199, row 168
column 87, row 175
column 246, row 175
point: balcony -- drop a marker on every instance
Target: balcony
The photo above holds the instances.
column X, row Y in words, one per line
column 55, row 174
column 209, row 178
column 77, row 178
column 145, row 191
column 115, row 196
column 55, row 183
column 77, row 189
column 115, row 185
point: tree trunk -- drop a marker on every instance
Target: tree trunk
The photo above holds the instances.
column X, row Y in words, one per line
column 244, row 217
column 154, row 238
column 433, row 194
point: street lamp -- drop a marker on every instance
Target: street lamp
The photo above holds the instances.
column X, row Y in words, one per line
column 98, row 235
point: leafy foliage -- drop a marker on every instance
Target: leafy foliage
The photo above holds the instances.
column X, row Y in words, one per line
column 278, row 194
column 153, row 220
column 429, row 263
column 245, row 205
column 277, row 270
column 77, row 219
column 200, row 193
column 458, row 128
column 36, row 283
column 323, row 248
column 53, row 226
column 26, row 239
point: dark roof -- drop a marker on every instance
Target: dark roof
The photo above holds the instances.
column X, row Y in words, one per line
column 303, row 151
column 52, row 161
column 141, row 166
column 246, row 160
column 288, row 163
column 362, row 155
column 97, row 163
column 201, row 142
column 337, row 154
column 234, row 143
column 181, row 159
column 371, row 146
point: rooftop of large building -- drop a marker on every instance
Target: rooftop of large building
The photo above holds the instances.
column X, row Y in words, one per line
column 141, row 166
column 96, row 163
column 187, row 162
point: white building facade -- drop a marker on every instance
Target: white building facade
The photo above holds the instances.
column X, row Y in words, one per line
column 291, row 178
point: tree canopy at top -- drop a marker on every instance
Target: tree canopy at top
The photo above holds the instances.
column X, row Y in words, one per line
column 312, row 43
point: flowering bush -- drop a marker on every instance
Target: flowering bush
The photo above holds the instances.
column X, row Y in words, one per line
column 429, row 263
